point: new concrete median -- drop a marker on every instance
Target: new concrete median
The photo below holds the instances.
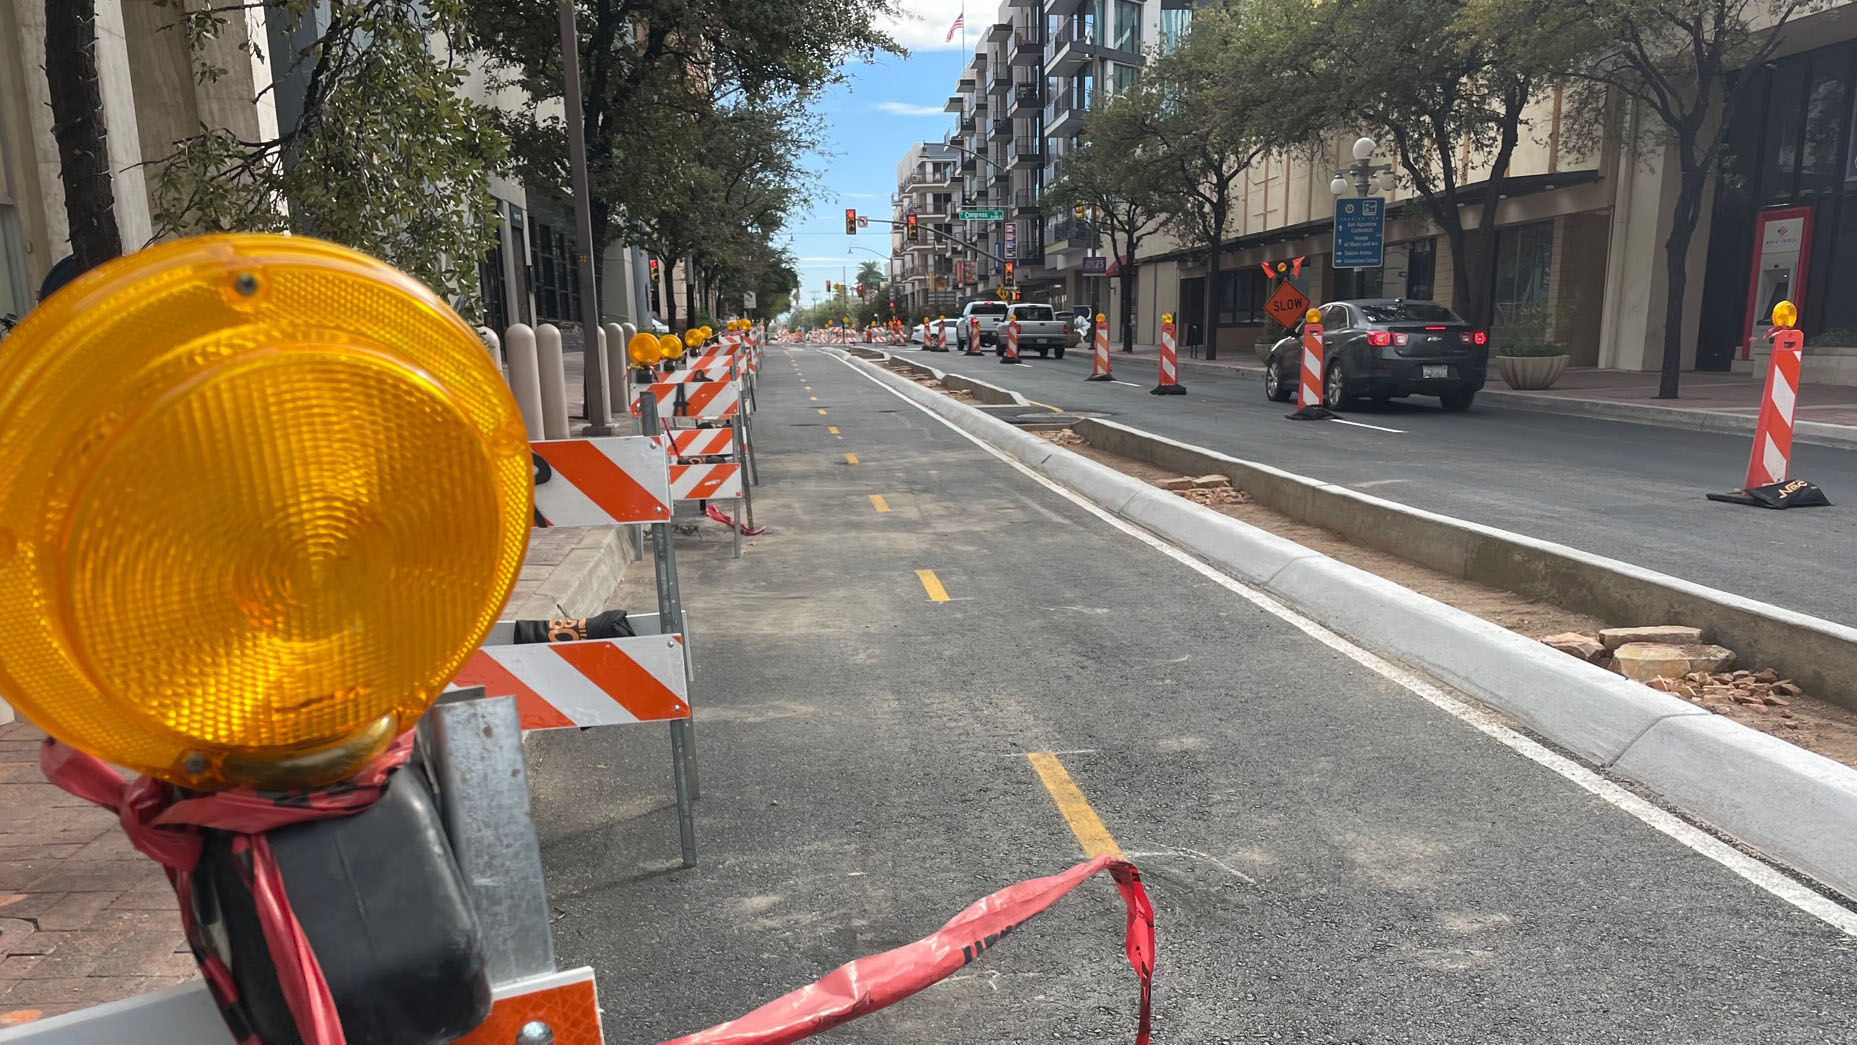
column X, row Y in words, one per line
column 1799, row 807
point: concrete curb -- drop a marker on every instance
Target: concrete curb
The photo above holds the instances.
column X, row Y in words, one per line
column 585, row 578
column 1797, row 806
column 1816, row 433
column 1820, row 653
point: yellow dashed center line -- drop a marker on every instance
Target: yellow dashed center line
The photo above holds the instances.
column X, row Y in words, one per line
column 822, row 411
column 932, row 585
column 813, row 398
column 877, row 502
column 1083, row 821
column 832, row 429
column 851, row 458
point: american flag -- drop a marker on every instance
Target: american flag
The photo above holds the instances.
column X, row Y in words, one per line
column 959, row 21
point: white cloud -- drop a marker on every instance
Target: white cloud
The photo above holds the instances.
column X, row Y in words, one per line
column 865, row 195
column 909, row 109
column 923, row 24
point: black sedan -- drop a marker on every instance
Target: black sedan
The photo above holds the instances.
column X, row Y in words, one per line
column 1386, row 348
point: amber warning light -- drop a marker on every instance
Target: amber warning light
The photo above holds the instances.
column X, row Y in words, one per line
column 265, row 496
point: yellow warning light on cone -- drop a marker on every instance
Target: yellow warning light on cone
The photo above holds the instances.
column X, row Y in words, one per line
column 1786, row 315
column 643, row 349
column 693, row 337
column 1314, row 315
column 1100, row 318
column 669, row 347
column 264, row 497
column 1167, row 317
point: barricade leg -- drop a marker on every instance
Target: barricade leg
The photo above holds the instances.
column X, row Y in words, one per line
column 681, row 772
column 741, row 457
column 670, row 618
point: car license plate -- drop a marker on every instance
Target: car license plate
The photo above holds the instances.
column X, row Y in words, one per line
column 1436, row 373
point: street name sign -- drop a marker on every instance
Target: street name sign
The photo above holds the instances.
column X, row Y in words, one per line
column 982, row 215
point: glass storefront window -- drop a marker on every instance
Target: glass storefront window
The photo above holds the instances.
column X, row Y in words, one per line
column 1524, row 259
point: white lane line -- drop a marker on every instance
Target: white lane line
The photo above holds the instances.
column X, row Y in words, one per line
column 1377, row 428
column 1755, row 871
column 1371, row 483
column 1130, row 384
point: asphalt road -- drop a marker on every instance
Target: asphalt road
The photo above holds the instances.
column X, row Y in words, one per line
column 1331, row 857
column 1631, row 492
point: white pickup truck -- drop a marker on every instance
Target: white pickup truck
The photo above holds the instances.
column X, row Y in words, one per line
column 989, row 313
column 1039, row 330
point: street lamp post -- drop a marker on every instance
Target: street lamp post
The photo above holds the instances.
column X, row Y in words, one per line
column 1364, row 172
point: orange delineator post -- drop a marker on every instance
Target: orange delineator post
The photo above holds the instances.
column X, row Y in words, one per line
column 1170, row 361
column 1309, row 390
column 1099, row 367
column 973, row 335
column 1773, row 433
column 1011, row 333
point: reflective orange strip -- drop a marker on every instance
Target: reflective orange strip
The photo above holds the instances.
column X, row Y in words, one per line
column 534, row 712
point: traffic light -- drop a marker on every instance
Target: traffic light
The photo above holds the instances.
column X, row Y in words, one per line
column 828, row 286
column 1077, row 212
column 851, row 222
column 654, row 270
column 1007, row 281
column 860, row 290
column 915, row 232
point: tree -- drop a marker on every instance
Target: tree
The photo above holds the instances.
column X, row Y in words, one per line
column 385, row 155
column 649, row 68
column 870, row 273
column 1448, row 100
column 1110, row 178
column 78, row 126
column 1683, row 61
column 1203, row 114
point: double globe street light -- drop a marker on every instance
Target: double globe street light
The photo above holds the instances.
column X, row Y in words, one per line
column 1364, row 172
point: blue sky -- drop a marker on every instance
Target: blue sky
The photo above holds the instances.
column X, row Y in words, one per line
column 870, row 120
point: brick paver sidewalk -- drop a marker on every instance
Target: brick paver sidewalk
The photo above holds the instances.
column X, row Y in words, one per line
column 84, row 918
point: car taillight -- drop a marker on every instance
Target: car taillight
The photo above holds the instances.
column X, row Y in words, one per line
column 1482, row 338
column 1401, row 340
column 1434, row 328
column 1476, row 338
column 1379, row 339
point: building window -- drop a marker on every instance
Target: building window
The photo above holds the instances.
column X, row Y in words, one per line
column 494, row 287
column 1241, row 297
column 1124, row 77
column 1127, row 26
column 1174, row 24
column 13, row 291
column 1421, row 269
column 1524, row 258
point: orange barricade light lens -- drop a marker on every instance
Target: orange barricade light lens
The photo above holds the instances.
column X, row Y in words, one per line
column 1314, row 315
column 643, row 350
column 693, row 337
column 264, row 497
column 1786, row 314
column 669, row 347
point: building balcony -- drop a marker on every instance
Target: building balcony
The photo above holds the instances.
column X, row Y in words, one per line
column 1001, row 125
column 1028, row 49
column 1064, row 113
column 1062, row 7
column 968, row 162
column 1026, row 96
column 1025, row 203
column 1028, row 152
column 999, row 81
column 967, row 120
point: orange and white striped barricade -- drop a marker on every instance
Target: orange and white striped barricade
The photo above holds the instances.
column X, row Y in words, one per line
column 1770, row 463
column 619, row 480
column 973, row 335
column 1309, row 388
column 720, row 368
column 1170, row 362
column 710, row 401
column 1010, row 331
column 1099, row 365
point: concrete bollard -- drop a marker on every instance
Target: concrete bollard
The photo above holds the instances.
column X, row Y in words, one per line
column 554, row 381
column 525, row 381
column 493, row 343
column 618, row 335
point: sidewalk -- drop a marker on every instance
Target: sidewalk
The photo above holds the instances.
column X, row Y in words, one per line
column 1826, row 414
column 85, row 918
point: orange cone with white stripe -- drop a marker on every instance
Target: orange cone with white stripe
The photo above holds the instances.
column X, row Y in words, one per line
column 1768, row 468
column 1099, row 368
column 973, row 335
column 1010, row 331
column 1170, row 362
column 1309, row 391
